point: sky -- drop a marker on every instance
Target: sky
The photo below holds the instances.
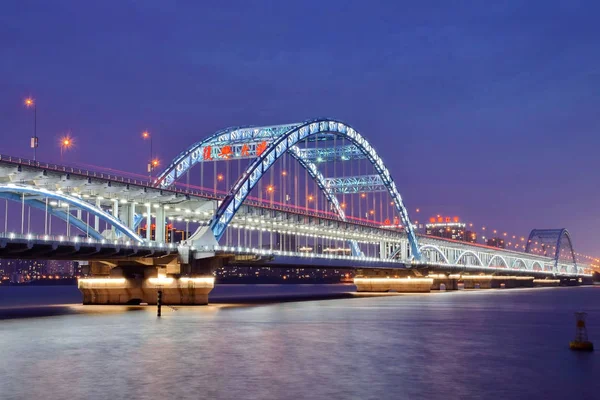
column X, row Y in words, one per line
column 486, row 110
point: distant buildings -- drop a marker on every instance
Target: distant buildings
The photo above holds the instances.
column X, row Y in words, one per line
column 450, row 228
column 23, row 271
column 496, row 242
column 234, row 274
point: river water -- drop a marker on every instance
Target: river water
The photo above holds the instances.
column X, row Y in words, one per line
column 493, row 344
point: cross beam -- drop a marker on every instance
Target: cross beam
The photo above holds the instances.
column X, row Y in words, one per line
column 356, row 184
column 347, row 152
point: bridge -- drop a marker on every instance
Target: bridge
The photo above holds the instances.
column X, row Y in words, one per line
column 309, row 194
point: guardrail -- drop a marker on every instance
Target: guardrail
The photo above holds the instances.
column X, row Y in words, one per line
column 84, row 240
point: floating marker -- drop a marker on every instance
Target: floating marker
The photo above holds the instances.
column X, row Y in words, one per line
column 581, row 342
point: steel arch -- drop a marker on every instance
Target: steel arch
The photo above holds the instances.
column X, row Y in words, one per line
column 549, row 234
column 517, row 260
column 541, row 268
column 501, row 258
column 437, row 249
column 469, row 252
column 192, row 155
column 186, row 159
column 282, row 144
column 61, row 214
column 7, row 189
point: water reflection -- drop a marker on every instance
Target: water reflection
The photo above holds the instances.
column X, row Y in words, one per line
column 489, row 344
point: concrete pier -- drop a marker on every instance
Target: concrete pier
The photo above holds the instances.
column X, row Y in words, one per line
column 407, row 285
column 119, row 290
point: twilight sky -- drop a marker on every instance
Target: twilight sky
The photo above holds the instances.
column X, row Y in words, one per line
column 483, row 109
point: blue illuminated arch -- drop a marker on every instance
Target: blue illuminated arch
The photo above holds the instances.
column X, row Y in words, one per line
column 498, row 256
column 286, row 142
column 14, row 192
column 553, row 234
column 519, row 261
column 238, row 135
column 469, row 253
column 436, row 249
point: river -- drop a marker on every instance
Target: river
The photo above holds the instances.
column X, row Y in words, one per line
column 489, row 344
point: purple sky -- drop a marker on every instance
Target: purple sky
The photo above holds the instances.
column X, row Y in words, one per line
column 487, row 110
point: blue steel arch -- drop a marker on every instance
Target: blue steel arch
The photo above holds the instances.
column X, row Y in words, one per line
column 228, row 136
column 498, row 256
column 551, row 234
column 14, row 192
column 436, row 249
column 516, row 262
column 192, row 155
column 469, row 253
column 284, row 143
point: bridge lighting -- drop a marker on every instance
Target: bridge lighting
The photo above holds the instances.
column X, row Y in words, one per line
column 363, row 195
column 270, row 189
column 155, row 163
column 66, row 142
column 284, row 173
column 220, row 177
column 310, row 197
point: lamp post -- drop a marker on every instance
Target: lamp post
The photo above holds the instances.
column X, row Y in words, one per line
column 30, row 102
column 146, row 136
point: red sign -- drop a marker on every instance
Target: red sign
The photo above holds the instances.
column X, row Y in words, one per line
column 261, row 147
column 226, row 152
column 245, row 150
column 206, row 153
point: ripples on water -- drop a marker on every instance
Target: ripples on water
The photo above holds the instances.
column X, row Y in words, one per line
column 495, row 344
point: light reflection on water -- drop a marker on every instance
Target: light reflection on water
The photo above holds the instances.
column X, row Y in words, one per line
column 488, row 344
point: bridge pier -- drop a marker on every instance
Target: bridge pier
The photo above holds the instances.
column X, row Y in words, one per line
column 390, row 281
column 176, row 291
column 131, row 283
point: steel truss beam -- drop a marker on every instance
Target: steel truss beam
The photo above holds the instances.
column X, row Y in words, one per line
column 356, row 184
column 344, row 153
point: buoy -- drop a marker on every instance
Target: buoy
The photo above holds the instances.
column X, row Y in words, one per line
column 581, row 342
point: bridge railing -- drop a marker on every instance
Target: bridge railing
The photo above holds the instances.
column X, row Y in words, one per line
column 183, row 189
column 82, row 240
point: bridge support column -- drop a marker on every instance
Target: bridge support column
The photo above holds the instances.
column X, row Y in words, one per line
column 127, row 214
column 96, row 218
column 159, row 233
column 149, row 221
column 131, row 216
column 115, row 212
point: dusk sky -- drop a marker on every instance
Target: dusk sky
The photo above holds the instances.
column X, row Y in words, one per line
column 484, row 109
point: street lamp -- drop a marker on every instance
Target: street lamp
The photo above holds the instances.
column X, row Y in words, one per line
column 146, row 136
column 66, row 142
column 153, row 165
column 30, row 102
